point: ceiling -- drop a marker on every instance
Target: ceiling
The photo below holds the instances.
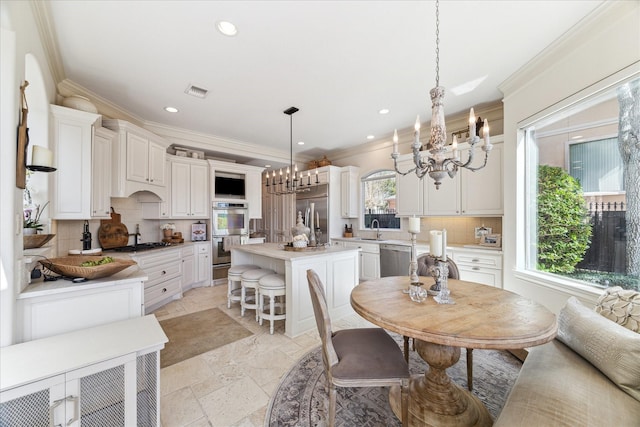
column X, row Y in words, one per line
column 339, row 62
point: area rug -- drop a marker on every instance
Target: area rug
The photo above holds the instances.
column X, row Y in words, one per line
column 197, row 333
column 301, row 399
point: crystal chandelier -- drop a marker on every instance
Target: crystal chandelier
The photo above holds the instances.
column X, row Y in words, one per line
column 291, row 181
column 436, row 163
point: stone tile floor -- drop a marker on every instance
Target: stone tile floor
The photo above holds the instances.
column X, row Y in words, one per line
column 230, row 386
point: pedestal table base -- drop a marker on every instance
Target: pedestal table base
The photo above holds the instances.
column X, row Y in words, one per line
column 434, row 400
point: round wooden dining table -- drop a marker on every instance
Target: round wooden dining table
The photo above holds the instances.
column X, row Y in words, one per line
column 482, row 317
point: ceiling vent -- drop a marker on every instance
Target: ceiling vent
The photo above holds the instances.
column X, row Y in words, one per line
column 196, row 91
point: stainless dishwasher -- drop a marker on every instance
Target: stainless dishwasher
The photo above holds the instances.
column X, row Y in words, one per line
column 394, row 260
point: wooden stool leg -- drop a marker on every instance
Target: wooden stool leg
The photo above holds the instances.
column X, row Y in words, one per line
column 406, row 349
column 470, row 368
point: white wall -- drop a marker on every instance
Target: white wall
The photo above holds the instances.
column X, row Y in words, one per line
column 19, row 38
column 601, row 45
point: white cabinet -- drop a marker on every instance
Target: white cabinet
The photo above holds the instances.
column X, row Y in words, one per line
column 252, row 181
column 189, row 189
column 349, row 182
column 164, row 268
column 145, row 160
column 138, row 160
column 479, row 266
column 203, row 263
column 159, row 210
column 369, row 259
column 188, row 267
column 81, row 187
column 467, row 193
column 44, row 310
column 64, row 381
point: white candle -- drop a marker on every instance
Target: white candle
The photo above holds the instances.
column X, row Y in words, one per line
column 41, row 156
column 395, row 141
column 472, row 124
column 485, row 132
column 454, row 146
column 444, row 245
column 414, row 225
column 416, row 142
column 435, row 243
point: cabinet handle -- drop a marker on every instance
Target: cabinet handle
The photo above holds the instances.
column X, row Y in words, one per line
column 475, row 268
column 164, row 290
column 475, row 260
column 151, row 180
column 52, row 409
column 74, row 400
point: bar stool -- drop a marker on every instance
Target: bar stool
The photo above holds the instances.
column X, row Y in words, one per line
column 235, row 276
column 250, row 280
column 272, row 286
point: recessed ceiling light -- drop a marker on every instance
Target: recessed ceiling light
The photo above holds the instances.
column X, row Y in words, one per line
column 227, row 28
column 576, row 137
column 370, row 137
column 384, row 111
column 300, row 142
column 171, row 109
column 267, row 166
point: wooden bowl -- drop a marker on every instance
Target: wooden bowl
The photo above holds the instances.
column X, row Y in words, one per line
column 35, row 240
column 70, row 266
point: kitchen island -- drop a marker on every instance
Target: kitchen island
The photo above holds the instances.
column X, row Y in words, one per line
column 336, row 266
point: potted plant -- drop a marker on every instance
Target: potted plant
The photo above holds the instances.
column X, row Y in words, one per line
column 168, row 229
column 31, row 221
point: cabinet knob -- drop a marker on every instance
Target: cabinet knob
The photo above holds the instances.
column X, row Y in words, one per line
column 164, row 290
column 146, row 179
column 151, row 180
column 164, row 272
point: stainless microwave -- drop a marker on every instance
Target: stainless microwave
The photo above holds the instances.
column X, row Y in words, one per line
column 229, row 186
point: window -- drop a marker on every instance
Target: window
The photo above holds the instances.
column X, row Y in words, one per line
column 379, row 192
column 576, row 223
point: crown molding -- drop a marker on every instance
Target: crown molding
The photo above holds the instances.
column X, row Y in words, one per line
column 602, row 17
column 48, row 38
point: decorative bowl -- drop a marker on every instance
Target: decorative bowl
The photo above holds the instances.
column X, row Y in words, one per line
column 81, row 103
column 299, row 243
column 32, row 241
column 70, row 266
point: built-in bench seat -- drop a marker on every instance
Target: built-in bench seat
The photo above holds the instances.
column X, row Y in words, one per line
column 557, row 386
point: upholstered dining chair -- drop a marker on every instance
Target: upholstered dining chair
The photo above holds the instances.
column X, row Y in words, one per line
column 425, row 262
column 361, row 357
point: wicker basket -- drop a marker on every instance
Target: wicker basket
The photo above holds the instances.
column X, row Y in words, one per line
column 70, row 266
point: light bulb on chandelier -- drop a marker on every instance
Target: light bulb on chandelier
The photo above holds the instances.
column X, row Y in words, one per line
column 291, row 182
column 436, row 163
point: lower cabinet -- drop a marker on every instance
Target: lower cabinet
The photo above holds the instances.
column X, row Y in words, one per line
column 112, row 382
column 479, row 267
column 164, row 268
column 369, row 259
column 203, row 263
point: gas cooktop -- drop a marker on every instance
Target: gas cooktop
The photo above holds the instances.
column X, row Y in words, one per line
column 142, row 247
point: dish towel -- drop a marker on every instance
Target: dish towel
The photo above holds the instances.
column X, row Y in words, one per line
column 229, row 241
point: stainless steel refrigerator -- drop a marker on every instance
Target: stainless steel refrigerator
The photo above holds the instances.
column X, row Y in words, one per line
column 318, row 195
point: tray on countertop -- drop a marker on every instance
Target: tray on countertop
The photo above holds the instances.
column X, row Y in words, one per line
column 307, row 249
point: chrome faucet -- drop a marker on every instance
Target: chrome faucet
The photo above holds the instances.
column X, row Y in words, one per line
column 378, row 233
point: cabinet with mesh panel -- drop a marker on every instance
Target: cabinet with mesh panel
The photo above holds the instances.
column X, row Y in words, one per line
column 104, row 389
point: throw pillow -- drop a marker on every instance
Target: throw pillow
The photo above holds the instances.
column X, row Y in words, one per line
column 622, row 306
column 611, row 348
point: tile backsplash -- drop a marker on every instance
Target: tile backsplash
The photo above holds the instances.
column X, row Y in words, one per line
column 69, row 233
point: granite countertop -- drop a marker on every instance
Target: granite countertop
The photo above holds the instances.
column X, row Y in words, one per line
column 276, row 251
column 40, row 288
column 421, row 243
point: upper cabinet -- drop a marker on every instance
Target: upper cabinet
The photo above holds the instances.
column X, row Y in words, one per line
column 189, row 188
column 138, row 160
column 81, row 186
column 349, row 185
column 478, row 193
column 252, row 177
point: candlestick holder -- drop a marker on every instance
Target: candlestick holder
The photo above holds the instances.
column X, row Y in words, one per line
column 416, row 292
column 443, row 296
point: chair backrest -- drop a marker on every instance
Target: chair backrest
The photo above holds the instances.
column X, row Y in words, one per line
column 323, row 321
column 426, row 261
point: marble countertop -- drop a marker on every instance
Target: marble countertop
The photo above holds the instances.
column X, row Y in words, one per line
column 276, row 251
column 40, row 288
column 421, row 243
